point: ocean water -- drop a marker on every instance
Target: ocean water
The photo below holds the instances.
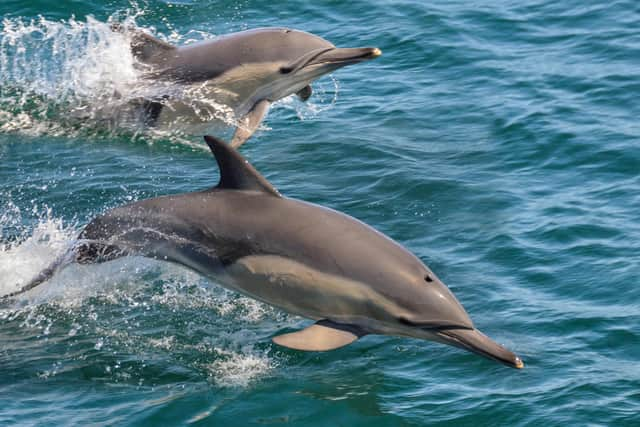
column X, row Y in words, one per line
column 497, row 140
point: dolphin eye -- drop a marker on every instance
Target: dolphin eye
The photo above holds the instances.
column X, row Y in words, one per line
column 428, row 278
column 285, row 70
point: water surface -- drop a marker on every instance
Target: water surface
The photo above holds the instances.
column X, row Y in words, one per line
column 499, row 141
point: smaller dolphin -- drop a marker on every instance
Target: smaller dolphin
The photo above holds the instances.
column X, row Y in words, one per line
column 245, row 71
column 303, row 258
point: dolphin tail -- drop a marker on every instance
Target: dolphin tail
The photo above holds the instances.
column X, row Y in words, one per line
column 46, row 274
column 82, row 253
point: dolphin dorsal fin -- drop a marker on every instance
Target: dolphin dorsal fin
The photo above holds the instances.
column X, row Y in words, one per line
column 236, row 173
column 148, row 49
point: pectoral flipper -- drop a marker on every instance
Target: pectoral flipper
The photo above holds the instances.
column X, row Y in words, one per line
column 323, row 335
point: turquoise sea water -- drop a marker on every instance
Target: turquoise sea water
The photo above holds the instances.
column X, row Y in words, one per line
column 497, row 140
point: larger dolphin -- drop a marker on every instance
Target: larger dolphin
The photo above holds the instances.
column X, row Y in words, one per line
column 244, row 71
column 303, row 258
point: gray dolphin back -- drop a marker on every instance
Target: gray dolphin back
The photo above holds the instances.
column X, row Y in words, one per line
column 211, row 58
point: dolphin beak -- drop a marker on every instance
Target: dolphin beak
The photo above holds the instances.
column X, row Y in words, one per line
column 475, row 341
column 332, row 58
column 345, row 56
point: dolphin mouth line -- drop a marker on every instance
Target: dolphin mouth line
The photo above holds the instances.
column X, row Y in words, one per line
column 311, row 60
column 435, row 325
column 369, row 53
column 492, row 351
column 340, row 56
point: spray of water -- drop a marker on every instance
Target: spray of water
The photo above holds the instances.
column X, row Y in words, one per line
column 24, row 256
column 78, row 77
column 55, row 73
column 79, row 302
column 73, row 77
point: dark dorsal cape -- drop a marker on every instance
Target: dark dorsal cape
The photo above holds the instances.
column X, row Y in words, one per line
column 236, row 173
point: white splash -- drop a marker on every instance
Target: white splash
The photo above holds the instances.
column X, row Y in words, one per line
column 235, row 362
column 27, row 251
column 50, row 69
column 71, row 76
column 74, row 77
column 239, row 369
column 325, row 97
column 21, row 260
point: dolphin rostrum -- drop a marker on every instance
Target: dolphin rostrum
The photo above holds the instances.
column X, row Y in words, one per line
column 244, row 71
column 302, row 258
